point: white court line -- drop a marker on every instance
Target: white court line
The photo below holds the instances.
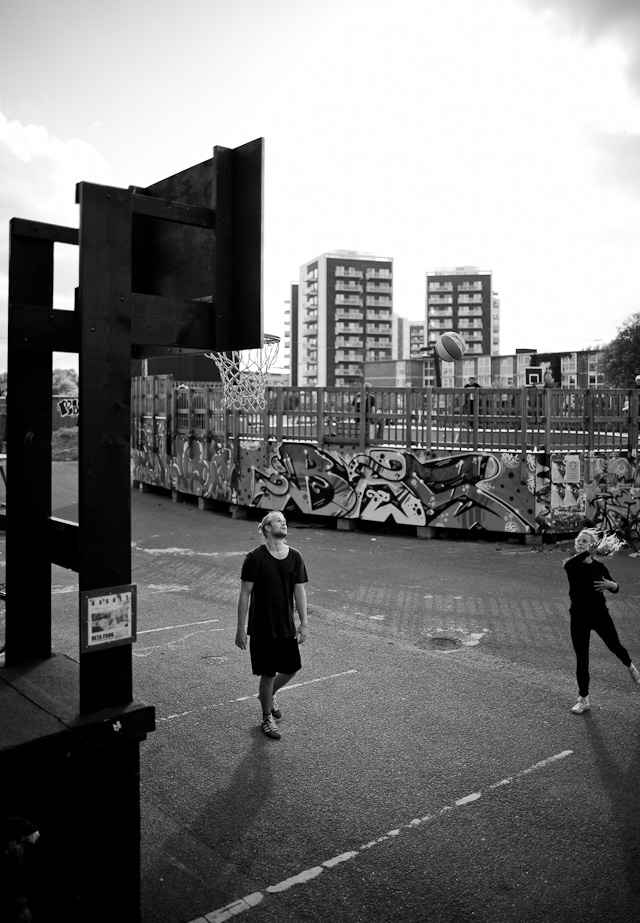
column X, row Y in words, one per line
column 246, row 698
column 148, row 631
column 251, row 900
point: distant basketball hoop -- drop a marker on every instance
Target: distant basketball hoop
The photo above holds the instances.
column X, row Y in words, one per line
column 244, row 374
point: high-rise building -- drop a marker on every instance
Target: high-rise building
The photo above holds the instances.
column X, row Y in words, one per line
column 416, row 340
column 462, row 299
column 343, row 318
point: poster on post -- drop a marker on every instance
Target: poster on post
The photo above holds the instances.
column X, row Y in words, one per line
column 107, row 617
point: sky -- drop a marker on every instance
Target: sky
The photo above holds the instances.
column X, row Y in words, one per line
column 502, row 134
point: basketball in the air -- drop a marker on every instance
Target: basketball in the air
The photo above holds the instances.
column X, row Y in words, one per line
column 450, row 346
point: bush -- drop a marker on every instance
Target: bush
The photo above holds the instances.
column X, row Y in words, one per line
column 64, row 444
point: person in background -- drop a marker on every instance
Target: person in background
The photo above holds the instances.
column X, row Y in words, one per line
column 469, row 398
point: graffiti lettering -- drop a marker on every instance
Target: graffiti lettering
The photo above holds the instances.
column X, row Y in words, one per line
column 69, row 407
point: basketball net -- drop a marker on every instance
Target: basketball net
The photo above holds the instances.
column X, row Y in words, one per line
column 244, row 374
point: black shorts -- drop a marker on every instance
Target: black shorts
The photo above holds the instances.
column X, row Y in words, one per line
column 271, row 657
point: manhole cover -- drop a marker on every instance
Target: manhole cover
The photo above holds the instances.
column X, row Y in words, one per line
column 440, row 643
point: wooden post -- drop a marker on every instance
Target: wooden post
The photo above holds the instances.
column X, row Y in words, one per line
column 29, row 421
column 548, row 409
column 524, row 432
column 320, row 393
column 104, row 426
column 590, row 418
column 362, row 421
column 632, row 448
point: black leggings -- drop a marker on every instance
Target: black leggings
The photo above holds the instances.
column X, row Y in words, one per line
column 581, row 628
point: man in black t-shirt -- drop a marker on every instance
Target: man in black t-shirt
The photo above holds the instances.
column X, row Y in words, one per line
column 272, row 579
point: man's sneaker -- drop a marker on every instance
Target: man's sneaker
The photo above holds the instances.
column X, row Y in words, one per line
column 270, row 728
column 275, row 709
column 581, row 705
column 635, row 673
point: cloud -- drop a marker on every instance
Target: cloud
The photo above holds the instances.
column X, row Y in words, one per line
column 38, row 176
column 618, row 160
column 594, row 20
column 612, row 27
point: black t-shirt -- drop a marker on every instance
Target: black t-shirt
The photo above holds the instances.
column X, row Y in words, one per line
column 582, row 577
column 271, row 604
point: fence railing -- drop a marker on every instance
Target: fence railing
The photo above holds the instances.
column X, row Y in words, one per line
column 430, row 419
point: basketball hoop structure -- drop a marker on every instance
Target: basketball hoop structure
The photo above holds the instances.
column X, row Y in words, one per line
column 244, row 374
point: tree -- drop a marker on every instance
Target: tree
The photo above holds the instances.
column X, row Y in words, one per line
column 65, row 381
column 621, row 357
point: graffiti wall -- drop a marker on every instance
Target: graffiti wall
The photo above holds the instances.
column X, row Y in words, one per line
column 497, row 492
column 611, row 492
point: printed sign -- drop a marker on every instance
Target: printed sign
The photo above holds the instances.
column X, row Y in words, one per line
column 572, row 463
column 108, row 617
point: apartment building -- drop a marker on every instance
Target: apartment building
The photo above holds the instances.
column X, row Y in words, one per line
column 580, row 369
column 462, row 299
column 343, row 318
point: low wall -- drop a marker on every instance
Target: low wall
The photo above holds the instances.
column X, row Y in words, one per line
column 522, row 493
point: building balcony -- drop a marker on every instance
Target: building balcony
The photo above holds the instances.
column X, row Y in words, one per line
column 344, row 286
column 379, row 328
column 348, row 343
column 440, row 286
column 379, row 274
column 355, row 300
column 347, row 356
column 379, row 288
column 349, row 316
column 349, row 272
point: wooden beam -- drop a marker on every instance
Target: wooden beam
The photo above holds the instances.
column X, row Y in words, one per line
column 20, row 227
column 45, row 329
column 166, row 210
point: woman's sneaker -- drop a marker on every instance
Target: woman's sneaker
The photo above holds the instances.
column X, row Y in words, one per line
column 270, row 728
column 275, row 709
column 581, row 705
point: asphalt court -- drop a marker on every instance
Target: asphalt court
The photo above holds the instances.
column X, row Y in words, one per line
column 424, row 784
column 365, row 760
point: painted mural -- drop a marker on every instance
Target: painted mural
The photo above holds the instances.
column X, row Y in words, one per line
column 611, row 492
column 497, row 492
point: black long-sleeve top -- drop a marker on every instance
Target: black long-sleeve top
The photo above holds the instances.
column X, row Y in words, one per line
column 582, row 578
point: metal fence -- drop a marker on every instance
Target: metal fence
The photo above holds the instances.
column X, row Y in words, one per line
column 431, row 419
